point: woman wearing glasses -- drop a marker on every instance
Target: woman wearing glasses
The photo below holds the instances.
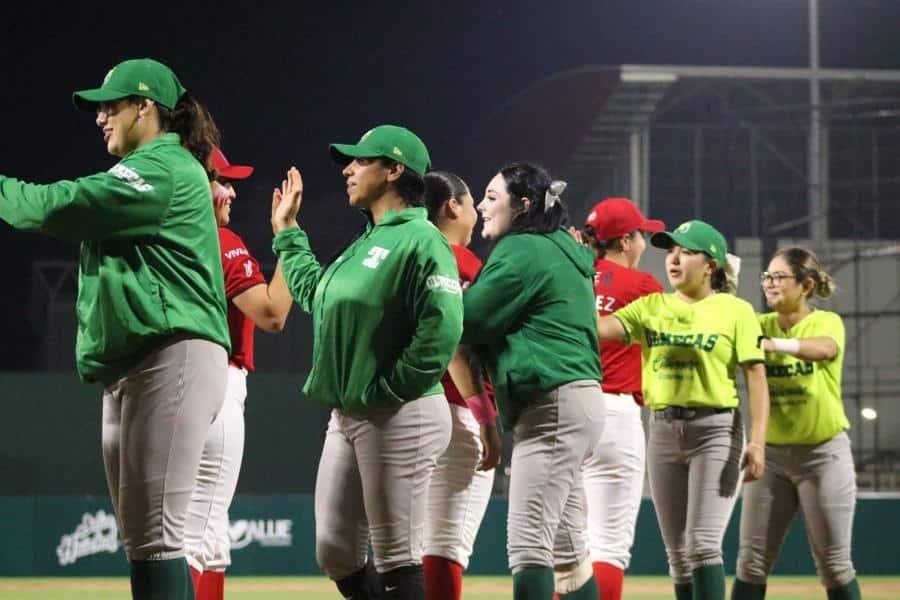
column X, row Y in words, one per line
column 809, row 467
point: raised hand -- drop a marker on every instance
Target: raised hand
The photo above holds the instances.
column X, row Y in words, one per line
column 286, row 201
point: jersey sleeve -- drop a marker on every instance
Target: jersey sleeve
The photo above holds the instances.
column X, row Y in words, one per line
column 240, row 267
column 299, row 265
column 833, row 326
column 631, row 317
column 495, row 300
column 747, row 333
column 435, row 295
column 128, row 201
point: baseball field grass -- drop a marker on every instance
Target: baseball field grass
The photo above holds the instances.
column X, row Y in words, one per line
column 475, row 588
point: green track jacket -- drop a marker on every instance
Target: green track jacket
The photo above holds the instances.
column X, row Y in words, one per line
column 149, row 266
column 387, row 314
column 531, row 312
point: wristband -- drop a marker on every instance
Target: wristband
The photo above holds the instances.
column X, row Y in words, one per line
column 786, row 345
column 482, row 408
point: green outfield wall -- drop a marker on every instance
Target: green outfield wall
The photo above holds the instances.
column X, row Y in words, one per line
column 274, row 535
column 55, row 516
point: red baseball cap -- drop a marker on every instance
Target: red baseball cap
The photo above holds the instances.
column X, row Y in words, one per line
column 225, row 169
column 614, row 217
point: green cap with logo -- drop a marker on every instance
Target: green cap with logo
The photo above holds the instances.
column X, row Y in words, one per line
column 697, row 236
column 388, row 141
column 137, row 77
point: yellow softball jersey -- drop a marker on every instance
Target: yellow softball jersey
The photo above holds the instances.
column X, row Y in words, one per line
column 805, row 395
column 690, row 352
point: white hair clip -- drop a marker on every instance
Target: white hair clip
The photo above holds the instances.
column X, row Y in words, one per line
column 553, row 192
column 732, row 268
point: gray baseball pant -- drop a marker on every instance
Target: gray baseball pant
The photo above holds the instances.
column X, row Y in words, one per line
column 554, row 435
column 819, row 481
column 695, row 474
column 155, row 421
column 373, row 480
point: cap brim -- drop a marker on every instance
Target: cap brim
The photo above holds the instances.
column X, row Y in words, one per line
column 344, row 153
column 667, row 239
column 88, row 100
column 653, row 226
column 235, row 172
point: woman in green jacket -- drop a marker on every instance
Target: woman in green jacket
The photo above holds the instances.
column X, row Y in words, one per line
column 151, row 303
column 387, row 317
column 531, row 314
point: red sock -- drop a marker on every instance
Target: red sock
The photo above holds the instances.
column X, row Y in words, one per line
column 195, row 577
column 443, row 578
column 212, row 586
column 609, row 580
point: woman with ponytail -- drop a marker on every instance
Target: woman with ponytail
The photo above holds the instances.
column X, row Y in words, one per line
column 693, row 342
column 461, row 484
column 809, row 466
column 151, row 304
column 531, row 313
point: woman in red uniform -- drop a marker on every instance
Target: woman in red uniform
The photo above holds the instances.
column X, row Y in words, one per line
column 251, row 303
column 462, row 481
column 614, row 474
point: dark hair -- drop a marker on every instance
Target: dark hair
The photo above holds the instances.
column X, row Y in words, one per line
column 409, row 185
column 805, row 265
column 440, row 188
column 528, row 180
column 720, row 282
column 192, row 121
column 601, row 248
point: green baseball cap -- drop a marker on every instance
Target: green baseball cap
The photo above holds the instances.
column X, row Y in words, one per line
column 697, row 236
column 388, row 141
column 137, row 77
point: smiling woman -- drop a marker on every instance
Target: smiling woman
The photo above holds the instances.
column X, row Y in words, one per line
column 151, row 303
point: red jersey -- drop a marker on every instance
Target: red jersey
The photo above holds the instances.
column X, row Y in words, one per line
column 616, row 286
column 469, row 265
column 241, row 273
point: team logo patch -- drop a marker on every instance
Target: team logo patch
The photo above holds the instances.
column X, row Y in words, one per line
column 397, row 151
column 143, row 87
column 130, row 178
column 376, row 255
column 444, row 283
column 684, row 227
column 248, row 269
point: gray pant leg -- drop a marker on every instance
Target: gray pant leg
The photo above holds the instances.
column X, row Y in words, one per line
column 768, row 509
column 552, row 439
column 826, row 487
column 110, row 434
column 715, row 477
column 397, row 453
column 168, row 403
column 694, row 471
column 342, row 531
column 668, row 471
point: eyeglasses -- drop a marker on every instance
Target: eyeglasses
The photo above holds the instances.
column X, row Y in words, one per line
column 773, row 278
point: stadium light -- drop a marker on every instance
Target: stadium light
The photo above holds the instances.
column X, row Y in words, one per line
column 869, row 414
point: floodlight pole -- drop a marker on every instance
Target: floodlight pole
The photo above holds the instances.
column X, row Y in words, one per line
column 817, row 195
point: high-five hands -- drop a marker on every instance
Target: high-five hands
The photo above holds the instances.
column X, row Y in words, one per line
column 286, row 201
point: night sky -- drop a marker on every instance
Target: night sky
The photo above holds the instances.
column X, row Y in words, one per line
column 284, row 81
